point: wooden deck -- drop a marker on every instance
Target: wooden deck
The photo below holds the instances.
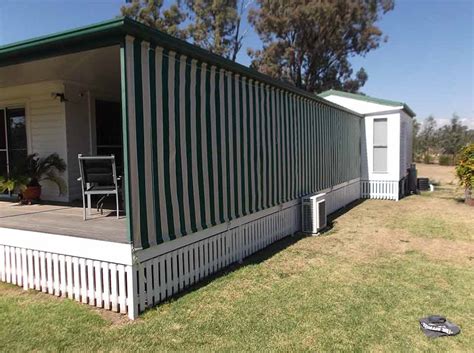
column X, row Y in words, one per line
column 63, row 220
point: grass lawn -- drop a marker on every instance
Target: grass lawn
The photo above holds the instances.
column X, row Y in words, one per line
column 362, row 286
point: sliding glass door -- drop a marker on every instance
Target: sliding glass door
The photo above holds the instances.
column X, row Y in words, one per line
column 13, row 142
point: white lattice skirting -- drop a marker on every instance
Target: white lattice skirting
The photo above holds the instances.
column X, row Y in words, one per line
column 169, row 269
column 380, row 189
column 89, row 271
column 127, row 281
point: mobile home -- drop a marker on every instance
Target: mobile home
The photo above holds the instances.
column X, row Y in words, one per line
column 386, row 154
column 215, row 158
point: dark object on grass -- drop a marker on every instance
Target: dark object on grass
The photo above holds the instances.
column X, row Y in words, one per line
column 423, row 184
column 436, row 326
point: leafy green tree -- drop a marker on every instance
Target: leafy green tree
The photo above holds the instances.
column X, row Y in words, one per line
column 215, row 25
column 415, row 137
column 427, row 140
column 465, row 170
column 151, row 13
column 309, row 42
column 452, row 137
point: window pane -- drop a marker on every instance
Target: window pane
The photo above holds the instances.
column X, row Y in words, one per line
column 17, row 160
column 3, row 137
column 17, row 129
column 380, row 132
column 3, row 164
column 380, row 159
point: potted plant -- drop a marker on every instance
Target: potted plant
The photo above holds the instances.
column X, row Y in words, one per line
column 465, row 171
column 27, row 177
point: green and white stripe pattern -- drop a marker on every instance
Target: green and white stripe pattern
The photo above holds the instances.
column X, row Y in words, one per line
column 206, row 145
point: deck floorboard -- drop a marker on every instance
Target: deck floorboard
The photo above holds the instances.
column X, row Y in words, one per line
column 63, row 220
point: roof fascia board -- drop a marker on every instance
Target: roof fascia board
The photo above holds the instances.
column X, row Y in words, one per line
column 368, row 99
column 85, row 38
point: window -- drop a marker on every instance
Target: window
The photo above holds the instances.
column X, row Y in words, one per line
column 380, row 146
column 13, row 146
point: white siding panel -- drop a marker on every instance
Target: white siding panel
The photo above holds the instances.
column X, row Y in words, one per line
column 78, row 135
column 47, row 133
column 45, row 122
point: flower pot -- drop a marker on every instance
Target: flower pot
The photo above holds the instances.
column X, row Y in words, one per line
column 32, row 193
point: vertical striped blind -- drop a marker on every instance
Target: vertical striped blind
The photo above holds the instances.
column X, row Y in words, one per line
column 206, row 145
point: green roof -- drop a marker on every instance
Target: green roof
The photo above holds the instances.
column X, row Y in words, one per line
column 362, row 97
column 113, row 32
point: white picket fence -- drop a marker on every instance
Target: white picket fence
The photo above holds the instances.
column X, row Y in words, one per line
column 115, row 277
column 380, row 189
column 97, row 283
column 89, row 271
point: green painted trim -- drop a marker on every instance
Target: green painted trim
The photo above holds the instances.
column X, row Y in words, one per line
column 364, row 98
column 79, row 39
column 126, row 156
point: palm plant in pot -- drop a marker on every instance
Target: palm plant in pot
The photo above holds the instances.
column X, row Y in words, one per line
column 27, row 177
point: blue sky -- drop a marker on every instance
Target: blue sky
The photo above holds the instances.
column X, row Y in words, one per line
column 428, row 61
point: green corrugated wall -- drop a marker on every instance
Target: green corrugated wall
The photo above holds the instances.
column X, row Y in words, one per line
column 206, row 145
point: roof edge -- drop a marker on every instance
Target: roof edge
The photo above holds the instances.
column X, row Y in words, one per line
column 113, row 31
column 369, row 99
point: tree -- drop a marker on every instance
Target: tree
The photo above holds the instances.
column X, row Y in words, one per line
column 151, row 13
column 215, row 25
column 453, row 137
column 415, row 133
column 427, row 139
column 465, row 170
column 309, row 42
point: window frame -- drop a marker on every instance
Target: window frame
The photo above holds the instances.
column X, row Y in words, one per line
column 380, row 146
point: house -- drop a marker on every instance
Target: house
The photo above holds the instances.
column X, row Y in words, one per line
column 214, row 156
column 386, row 142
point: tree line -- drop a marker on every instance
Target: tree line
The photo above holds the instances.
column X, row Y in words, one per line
column 433, row 144
column 307, row 43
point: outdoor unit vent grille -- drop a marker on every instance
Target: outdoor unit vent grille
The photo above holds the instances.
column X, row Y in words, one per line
column 313, row 213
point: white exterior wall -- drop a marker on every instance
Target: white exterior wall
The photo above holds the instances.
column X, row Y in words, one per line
column 406, row 143
column 45, row 123
column 78, row 134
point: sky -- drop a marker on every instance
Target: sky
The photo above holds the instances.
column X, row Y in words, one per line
column 427, row 62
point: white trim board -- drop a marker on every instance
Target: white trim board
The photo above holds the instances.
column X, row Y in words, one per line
column 68, row 245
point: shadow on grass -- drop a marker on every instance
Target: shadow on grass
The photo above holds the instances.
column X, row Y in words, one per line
column 260, row 256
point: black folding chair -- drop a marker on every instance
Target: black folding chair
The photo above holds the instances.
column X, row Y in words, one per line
column 98, row 177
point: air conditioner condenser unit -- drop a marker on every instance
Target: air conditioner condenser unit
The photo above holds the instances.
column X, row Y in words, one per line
column 313, row 213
